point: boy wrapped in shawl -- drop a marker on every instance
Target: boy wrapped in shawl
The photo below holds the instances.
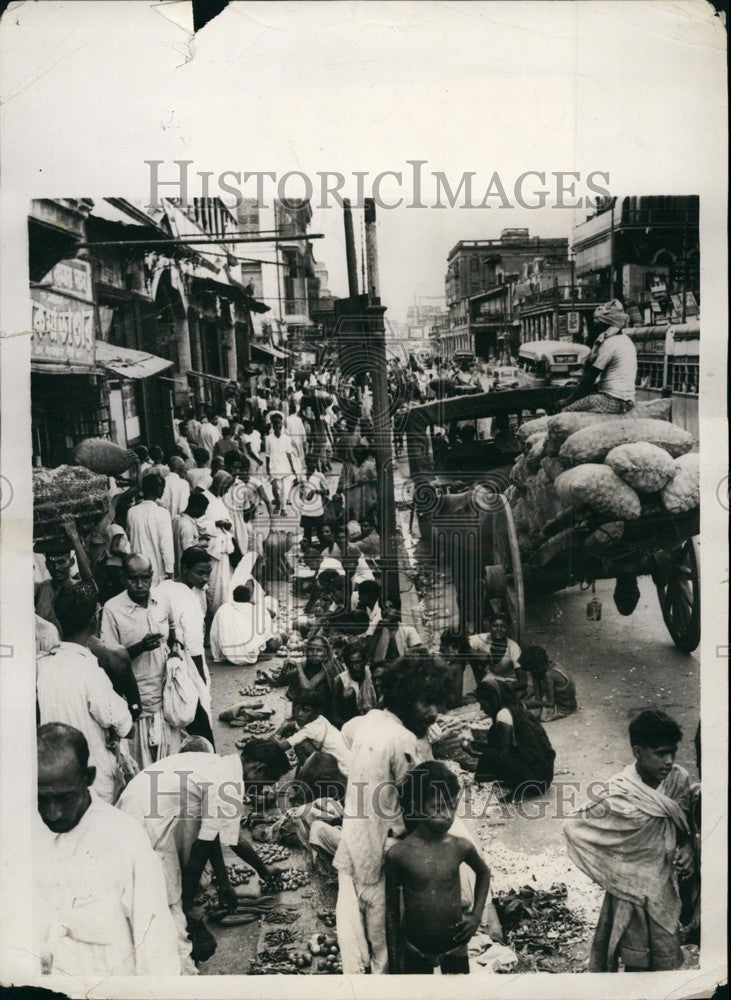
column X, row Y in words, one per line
column 626, row 840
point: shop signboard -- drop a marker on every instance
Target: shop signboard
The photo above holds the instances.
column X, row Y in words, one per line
column 63, row 315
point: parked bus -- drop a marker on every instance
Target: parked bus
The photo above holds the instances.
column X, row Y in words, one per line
column 668, row 361
column 551, row 362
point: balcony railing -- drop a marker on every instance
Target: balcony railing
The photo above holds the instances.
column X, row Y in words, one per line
column 594, row 292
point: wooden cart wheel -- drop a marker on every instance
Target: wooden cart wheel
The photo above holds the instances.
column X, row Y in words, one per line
column 508, row 566
column 677, row 579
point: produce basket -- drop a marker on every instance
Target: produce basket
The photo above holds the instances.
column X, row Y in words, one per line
column 66, row 490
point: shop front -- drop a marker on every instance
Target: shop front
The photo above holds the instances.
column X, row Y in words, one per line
column 68, row 396
column 140, row 396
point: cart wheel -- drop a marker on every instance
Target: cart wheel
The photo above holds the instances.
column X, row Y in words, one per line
column 677, row 579
column 508, row 569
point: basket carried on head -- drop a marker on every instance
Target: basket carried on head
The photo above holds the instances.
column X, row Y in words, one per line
column 66, row 490
column 104, row 457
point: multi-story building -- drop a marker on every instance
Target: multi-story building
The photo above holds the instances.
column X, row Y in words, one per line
column 284, row 274
column 476, row 267
column 644, row 251
column 552, row 303
column 421, row 318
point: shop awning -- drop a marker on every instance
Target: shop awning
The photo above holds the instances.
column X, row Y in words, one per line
column 210, row 378
column 126, row 363
column 61, row 368
column 270, row 352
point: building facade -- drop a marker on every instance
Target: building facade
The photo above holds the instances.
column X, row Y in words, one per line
column 477, row 267
column 130, row 320
column 646, row 251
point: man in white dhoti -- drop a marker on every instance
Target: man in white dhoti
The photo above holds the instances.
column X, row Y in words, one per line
column 142, row 621
column 240, row 629
column 99, row 891
column 217, row 526
column 280, row 461
column 150, row 529
column 385, row 745
column 177, row 488
column 189, row 603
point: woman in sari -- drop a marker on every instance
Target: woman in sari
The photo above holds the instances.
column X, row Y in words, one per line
column 319, row 670
column 220, row 543
column 494, row 655
column 519, row 756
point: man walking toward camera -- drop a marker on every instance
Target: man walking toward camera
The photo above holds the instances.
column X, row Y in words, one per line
column 632, row 839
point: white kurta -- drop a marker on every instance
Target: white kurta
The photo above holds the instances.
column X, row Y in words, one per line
column 150, row 533
column 294, row 426
column 240, row 632
column 125, row 623
column 210, row 436
column 100, row 900
column 176, row 495
column 73, row 689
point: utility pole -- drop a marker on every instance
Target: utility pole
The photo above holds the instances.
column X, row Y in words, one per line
column 350, row 249
column 372, row 251
column 362, row 347
column 379, row 380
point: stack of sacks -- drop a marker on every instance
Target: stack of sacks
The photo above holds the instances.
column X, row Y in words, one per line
column 603, row 466
column 612, row 465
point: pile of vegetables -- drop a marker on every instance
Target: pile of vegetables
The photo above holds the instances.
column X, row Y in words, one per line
column 271, row 854
column 67, row 489
column 258, row 728
column 254, row 691
column 280, row 916
column 603, row 469
column 327, row 917
column 325, row 947
column 239, row 874
column 291, row 878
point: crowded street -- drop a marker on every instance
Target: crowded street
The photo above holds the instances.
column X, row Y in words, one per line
column 365, row 654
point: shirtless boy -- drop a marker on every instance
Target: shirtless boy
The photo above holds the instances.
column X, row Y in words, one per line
column 423, row 869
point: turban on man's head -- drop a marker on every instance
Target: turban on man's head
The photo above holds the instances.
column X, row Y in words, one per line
column 612, row 313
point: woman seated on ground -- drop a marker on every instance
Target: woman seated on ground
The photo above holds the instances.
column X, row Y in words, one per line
column 554, row 692
column 495, row 656
column 353, row 692
column 519, row 756
column 318, row 671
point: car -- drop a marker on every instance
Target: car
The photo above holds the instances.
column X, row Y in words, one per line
column 504, row 377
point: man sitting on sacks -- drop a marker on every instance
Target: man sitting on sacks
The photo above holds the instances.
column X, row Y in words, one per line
column 608, row 385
